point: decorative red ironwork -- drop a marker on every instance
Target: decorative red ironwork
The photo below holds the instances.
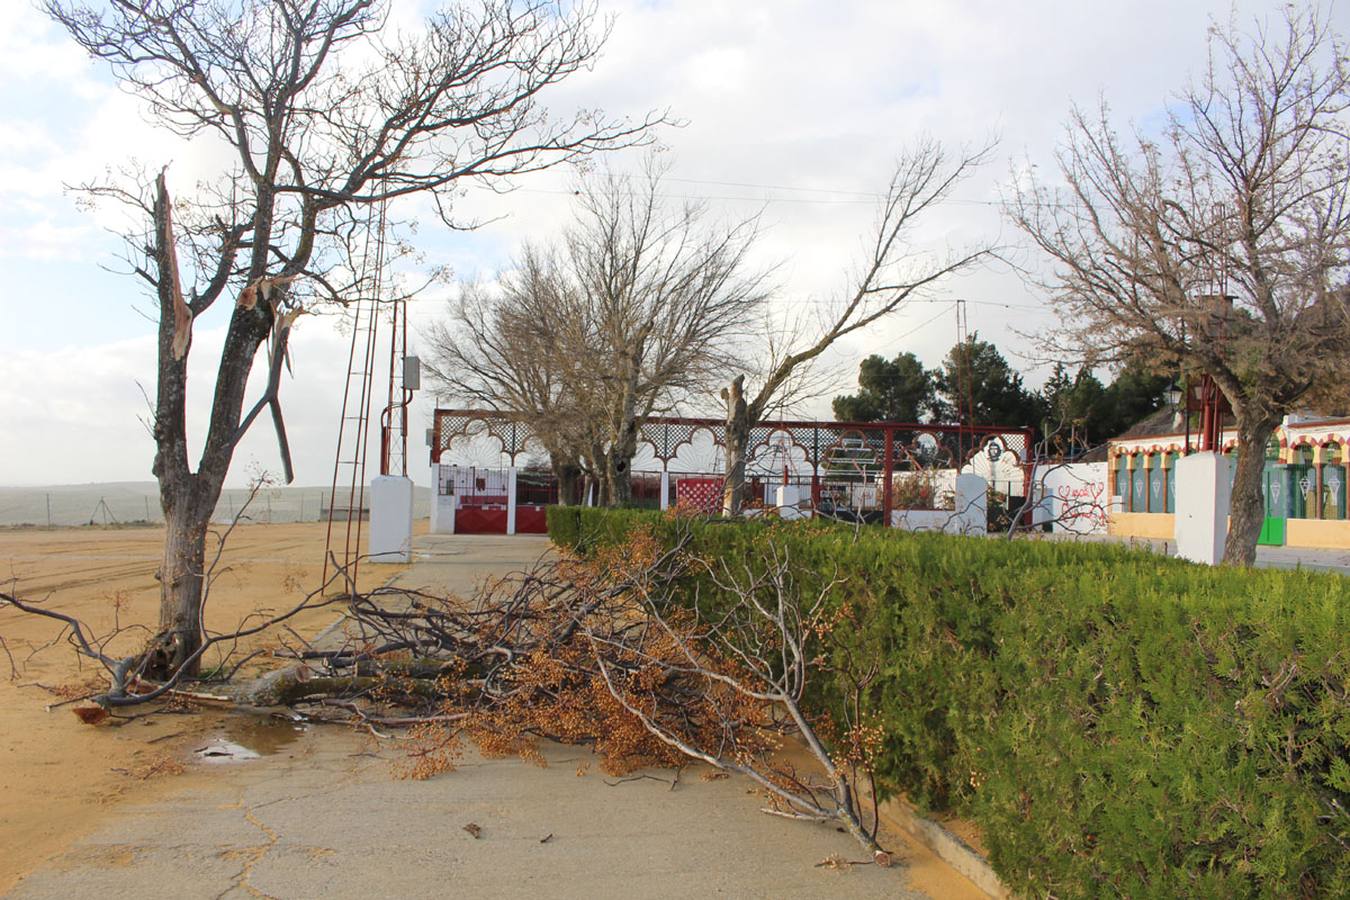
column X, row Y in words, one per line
column 704, row 494
column 879, row 449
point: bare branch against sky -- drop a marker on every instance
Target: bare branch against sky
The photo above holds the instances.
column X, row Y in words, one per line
column 806, row 146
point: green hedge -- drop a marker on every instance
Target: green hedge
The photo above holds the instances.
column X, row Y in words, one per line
column 1118, row 723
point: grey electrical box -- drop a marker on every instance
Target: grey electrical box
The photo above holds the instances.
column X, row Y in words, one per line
column 431, row 437
column 412, row 373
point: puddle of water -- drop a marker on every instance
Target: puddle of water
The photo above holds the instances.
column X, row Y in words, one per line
column 223, row 751
column 243, row 738
column 263, row 736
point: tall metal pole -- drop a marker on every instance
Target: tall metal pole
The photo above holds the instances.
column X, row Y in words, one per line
column 887, row 473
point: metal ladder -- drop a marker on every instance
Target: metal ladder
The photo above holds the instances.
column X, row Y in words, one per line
column 349, row 471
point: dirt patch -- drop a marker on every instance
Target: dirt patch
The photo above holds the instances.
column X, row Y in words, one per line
column 60, row 778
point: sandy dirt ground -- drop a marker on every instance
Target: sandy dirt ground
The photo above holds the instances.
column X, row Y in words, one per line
column 60, row 779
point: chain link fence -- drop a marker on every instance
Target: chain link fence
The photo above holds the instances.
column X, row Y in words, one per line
column 138, row 504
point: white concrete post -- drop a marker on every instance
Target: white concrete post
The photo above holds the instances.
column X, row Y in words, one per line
column 442, row 505
column 972, row 505
column 665, row 489
column 787, row 499
column 511, row 500
column 1202, row 500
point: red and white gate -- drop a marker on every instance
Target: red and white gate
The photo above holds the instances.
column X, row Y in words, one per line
column 478, row 500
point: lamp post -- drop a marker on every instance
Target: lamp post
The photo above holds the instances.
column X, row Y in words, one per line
column 1173, row 395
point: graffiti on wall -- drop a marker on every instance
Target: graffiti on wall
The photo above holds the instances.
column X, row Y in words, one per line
column 1074, row 498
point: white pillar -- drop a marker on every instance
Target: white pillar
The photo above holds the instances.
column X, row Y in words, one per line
column 972, row 506
column 787, row 500
column 442, row 505
column 443, row 508
column 1202, row 500
column 391, row 519
column 665, row 489
column 511, row 500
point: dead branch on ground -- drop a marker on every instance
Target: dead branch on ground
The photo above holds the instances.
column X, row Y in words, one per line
column 647, row 653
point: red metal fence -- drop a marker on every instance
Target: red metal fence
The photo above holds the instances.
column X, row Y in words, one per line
column 850, row 467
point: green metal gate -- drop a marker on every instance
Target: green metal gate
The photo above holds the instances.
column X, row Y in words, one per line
column 1275, row 487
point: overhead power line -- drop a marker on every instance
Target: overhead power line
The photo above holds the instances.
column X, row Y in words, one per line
column 852, row 197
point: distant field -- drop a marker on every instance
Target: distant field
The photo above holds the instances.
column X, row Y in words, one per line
column 138, row 501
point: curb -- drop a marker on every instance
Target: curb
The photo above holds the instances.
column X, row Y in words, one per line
column 948, row 847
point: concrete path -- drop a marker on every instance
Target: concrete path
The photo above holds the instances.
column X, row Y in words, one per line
column 324, row 816
column 1311, row 558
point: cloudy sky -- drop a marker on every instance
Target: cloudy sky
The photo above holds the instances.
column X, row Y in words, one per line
column 794, row 109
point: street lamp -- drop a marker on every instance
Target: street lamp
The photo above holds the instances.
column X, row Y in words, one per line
column 1173, row 395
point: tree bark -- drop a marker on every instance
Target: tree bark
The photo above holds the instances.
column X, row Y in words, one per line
column 1247, row 511
column 181, row 577
column 569, row 476
column 620, row 480
column 619, row 464
column 736, row 444
column 188, row 499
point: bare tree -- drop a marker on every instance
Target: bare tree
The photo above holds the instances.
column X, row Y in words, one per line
column 1219, row 244
column 641, row 304
column 891, row 274
column 501, row 349
column 327, row 115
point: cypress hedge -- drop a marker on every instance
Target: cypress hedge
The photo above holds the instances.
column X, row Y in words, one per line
column 1116, row 722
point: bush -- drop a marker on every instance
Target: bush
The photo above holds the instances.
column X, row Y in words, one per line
column 1118, row 723
column 582, row 528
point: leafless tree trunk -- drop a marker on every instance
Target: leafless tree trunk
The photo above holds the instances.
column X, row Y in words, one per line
column 894, row 272
column 1248, row 510
column 317, row 135
column 1221, row 244
column 737, row 440
column 570, row 478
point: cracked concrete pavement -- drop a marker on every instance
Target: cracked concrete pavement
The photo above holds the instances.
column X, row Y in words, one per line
column 325, row 816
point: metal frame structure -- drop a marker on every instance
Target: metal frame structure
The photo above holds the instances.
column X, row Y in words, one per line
column 895, row 446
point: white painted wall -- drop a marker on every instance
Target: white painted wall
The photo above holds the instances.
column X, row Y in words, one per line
column 970, row 516
column 1074, row 497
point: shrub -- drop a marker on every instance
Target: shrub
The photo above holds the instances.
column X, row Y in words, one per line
column 1117, row 723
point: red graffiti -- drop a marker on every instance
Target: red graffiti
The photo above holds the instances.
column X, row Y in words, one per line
column 1082, row 501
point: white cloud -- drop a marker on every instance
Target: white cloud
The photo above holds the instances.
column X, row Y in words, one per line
column 818, row 97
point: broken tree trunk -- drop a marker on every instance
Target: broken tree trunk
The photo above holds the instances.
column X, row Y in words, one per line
column 188, row 498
